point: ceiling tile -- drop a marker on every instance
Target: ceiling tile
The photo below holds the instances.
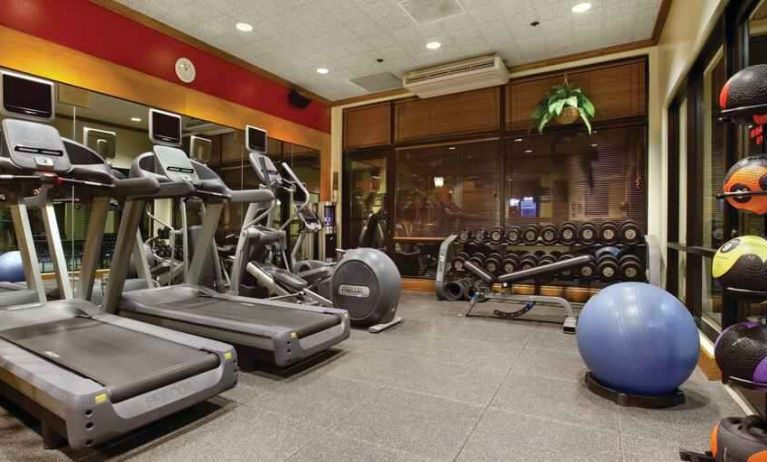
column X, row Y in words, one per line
column 293, row 37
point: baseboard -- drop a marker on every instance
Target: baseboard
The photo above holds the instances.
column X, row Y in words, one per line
column 418, row 285
column 706, row 360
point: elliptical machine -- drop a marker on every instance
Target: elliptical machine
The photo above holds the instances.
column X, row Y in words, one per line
column 365, row 282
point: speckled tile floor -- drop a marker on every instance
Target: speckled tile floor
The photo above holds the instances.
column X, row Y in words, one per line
column 437, row 387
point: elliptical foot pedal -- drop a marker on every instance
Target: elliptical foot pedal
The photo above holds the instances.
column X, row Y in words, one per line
column 569, row 325
column 696, row 456
column 674, row 398
column 384, row 325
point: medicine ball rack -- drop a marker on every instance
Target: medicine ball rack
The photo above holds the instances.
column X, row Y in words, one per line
column 748, row 114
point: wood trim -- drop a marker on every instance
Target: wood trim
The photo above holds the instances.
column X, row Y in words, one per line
column 151, row 23
column 660, row 20
column 388, row 94
column 33, row 55
column 707, row 364
column 583, row 55
column 419, row 285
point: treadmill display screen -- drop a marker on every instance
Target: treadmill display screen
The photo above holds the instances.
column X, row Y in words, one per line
column 31, row 98
column 255, row 139
column 164, row 127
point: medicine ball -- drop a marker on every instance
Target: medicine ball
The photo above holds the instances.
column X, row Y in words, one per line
column 741, row 352
column 740, row 439
column 739, row 263
column 744, row 95
column 749, row 174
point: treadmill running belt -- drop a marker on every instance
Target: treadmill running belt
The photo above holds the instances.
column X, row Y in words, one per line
column 180, row 299
column 126, row 362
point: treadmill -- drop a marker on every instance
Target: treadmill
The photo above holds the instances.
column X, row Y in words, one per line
column 86, row 375
column 281, row 332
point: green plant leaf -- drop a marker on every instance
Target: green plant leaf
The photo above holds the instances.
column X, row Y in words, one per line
column 556, row 106
column 539, row 110
column 571, row 101
column 585, row 118
column 544, row 120
column 587, row 105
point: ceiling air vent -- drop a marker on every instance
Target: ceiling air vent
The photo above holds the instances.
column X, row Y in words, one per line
column 469, row 74
column 426, row 11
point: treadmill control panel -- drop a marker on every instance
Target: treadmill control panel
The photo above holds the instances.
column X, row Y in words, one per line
column 174, row 164
column 34, row 146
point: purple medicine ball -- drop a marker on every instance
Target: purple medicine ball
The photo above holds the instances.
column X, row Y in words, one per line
column 741, row 352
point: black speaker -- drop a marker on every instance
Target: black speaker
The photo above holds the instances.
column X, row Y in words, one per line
column 298, row 100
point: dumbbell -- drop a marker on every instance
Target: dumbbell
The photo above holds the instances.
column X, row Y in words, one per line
column 587, row 233
column 629, row 233
column 546, row 259
column 586, row 271
column 494, row 263
column 458, row 261
column 497, row 235
column 527, row 261
column 531, row 233
column 568, row 233
column 465, row 236
column 478, row 258
column 482, row 235
column 514, row 235
column 566, row 273
column 549, row 234
column 607, row 263
column 510, row 263
column 630, row 267
column 608, row 233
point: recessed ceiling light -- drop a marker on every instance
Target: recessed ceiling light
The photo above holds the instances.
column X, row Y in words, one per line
column 581, row 7
column 433, row 45
column 135, row 119
column 517, row 140
column 323, row 70
column 452, row 148
column 593, row 145
column 243, row 27
column 528, row 151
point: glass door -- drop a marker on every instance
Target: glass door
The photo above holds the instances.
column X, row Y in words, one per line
column 365, row 200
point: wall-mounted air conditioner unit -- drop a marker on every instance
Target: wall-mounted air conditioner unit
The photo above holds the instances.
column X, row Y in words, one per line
column 469, row 74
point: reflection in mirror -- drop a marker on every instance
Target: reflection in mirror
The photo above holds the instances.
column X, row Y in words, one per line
column 118, row 131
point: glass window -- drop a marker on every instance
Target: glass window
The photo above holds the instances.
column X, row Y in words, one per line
column 559, row 177
column 443, row 189
column 714, row 168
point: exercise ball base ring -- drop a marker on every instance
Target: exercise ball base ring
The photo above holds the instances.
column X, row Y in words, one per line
column 672, row 399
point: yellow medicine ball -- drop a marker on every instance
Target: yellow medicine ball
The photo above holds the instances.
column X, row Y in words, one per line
column 740, row 263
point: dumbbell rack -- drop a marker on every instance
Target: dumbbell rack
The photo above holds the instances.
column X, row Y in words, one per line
column 484, row 245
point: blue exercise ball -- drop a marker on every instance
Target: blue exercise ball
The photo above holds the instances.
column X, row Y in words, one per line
column 11, row 267
column 638, row 339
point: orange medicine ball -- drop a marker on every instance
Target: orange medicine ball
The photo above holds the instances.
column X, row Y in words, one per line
column 749, row 174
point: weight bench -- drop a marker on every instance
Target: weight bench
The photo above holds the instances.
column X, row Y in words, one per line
column 538, row 273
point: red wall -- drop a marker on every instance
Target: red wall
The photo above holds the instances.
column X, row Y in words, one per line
column 89, row 28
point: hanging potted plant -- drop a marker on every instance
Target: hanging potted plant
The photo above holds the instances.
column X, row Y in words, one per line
column 565, row 104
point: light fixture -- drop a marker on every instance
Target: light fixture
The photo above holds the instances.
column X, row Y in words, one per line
column 433, row 45
column 528, row 151
column 323, row 70
column 452, row 148
column 581, row 7
column 517, row 140
column 439, row 181
column 593, row 145
column 244, row 27
column 135, row 119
